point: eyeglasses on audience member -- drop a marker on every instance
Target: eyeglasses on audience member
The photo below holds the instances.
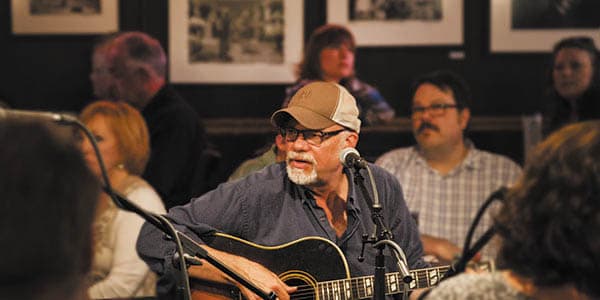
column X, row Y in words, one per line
column 436, row 110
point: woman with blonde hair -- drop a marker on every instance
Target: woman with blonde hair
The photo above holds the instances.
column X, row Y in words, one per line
column 123, row 141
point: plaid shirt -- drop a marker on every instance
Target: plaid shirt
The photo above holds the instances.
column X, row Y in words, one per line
column 447, row 204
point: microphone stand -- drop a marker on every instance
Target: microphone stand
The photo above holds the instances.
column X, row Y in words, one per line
column 188, row 251
column 380, row 237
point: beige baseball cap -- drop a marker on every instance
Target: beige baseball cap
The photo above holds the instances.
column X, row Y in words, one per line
column 319, row 105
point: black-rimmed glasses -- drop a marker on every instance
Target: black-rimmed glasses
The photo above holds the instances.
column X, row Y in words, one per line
column 436, row 110
column 313, row 137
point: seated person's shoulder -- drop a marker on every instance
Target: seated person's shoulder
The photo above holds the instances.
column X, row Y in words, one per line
column 395, row 157
column 498, row 160
column 144, row 195
column 382, row 176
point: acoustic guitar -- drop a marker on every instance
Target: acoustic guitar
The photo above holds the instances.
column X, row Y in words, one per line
column 316, row 266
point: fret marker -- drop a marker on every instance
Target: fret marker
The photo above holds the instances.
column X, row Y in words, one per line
column 433, row 277
column 368, row 286
column 413, row 284
column 392, row 281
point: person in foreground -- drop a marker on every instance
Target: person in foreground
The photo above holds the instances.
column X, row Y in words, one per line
column 549, row 226
column 310, row 194
column 122, row 136
column 48, row 200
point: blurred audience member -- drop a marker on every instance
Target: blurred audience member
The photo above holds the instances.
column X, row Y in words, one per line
column 574, row 94
column 102, row 80
column 48, row 200
column 177, row 137
column 549, row 226
column 122, row 138
column 329, row 56
column 445, row 177
column 274, row 154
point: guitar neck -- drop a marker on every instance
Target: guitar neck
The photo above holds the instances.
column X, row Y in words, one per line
column 363, row 287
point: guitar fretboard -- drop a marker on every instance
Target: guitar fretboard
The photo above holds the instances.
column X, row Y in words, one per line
column 363, row 287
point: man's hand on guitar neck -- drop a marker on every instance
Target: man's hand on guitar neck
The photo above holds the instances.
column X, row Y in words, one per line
column 254, row 272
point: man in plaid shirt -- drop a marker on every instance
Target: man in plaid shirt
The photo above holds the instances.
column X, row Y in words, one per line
column 445, row 177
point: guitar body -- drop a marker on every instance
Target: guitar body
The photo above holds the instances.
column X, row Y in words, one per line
column 303, row 262
column 316, row 266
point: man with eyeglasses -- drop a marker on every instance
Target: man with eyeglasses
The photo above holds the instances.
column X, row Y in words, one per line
column 445, row 177
column 310, row 194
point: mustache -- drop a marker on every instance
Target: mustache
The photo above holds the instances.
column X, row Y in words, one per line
column 426, row 125
column 300, row 156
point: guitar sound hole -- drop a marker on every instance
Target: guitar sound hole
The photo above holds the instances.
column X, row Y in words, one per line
column 305, row 290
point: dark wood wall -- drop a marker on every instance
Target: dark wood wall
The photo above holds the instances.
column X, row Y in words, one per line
column 50, row 72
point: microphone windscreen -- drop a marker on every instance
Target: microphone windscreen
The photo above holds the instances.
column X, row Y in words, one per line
column 344, row 154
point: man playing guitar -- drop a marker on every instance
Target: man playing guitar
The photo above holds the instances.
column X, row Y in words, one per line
column 311, row 194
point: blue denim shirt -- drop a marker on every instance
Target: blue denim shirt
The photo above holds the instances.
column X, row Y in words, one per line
column 266, row 208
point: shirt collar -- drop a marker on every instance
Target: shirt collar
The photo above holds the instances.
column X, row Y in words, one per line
column 470, row 162
column 351, row 191
column 306, row 195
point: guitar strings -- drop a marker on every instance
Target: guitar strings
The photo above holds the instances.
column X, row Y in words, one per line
column 309, row 292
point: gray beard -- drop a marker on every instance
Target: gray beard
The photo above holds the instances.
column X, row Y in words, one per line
column 299, row 177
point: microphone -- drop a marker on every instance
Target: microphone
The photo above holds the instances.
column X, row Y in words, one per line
column 39, row 115
column 351, row 159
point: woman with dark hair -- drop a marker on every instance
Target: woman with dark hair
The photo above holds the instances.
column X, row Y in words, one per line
column 549, row 226
column 574, row 92
column 329, row 56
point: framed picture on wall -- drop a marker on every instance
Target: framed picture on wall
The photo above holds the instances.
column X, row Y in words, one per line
column 535, row 26
column 400, row 22
column 245, row 42
column 64, row 17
